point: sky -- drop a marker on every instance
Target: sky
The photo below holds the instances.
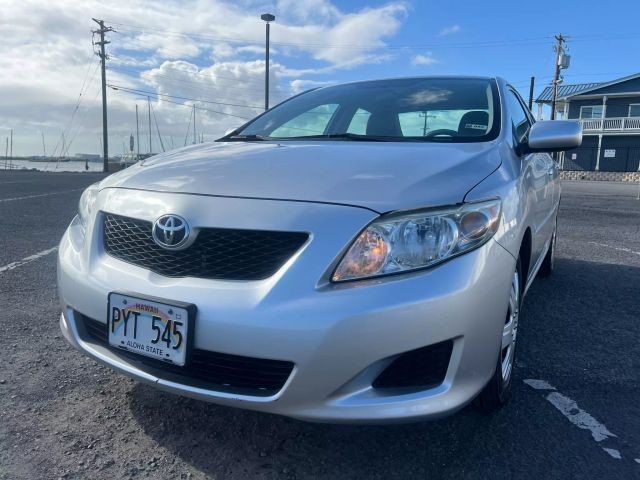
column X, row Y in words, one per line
column 211, row 54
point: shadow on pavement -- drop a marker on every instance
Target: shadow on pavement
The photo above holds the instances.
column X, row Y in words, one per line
column 527, row 439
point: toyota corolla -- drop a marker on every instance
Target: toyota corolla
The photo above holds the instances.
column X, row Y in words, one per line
column 358, row 253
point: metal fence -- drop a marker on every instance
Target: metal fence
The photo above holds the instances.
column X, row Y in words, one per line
column 612, row 159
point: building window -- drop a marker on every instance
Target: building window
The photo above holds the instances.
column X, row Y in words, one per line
column 592, row 111
column 634, row 110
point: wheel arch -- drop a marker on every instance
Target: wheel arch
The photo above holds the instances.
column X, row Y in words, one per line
column 525, row 256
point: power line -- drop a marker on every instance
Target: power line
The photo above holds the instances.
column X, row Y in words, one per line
column 204, row 89
column 188, row 106
column 144, row 29
column 72, row 132
column 206, row 75
column 474, row 44
column 81, row 94
column 81, row 125
column 146, row 92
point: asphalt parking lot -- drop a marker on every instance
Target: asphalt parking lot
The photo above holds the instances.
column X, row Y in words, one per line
column 575, row 414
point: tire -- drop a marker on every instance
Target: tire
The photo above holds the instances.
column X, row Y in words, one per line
column 548, row 264
column 497, row 392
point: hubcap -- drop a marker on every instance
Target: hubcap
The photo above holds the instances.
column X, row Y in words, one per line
column 510, row 330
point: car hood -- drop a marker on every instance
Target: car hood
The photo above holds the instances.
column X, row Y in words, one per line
column 375, row 175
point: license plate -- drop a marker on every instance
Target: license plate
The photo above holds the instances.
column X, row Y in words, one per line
column 150, row 327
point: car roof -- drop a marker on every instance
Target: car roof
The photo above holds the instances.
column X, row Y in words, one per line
column 417, row 77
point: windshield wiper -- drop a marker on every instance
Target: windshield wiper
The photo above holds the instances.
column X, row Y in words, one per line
column 345, row 136
column 245, row 138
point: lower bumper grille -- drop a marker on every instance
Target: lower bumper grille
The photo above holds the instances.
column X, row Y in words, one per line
column 209, row 370
column 421, row 369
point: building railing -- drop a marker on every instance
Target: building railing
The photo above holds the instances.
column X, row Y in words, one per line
column 619, row 124
column 611, row 157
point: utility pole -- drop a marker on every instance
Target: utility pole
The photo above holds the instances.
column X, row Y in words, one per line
column 267, row 17
column 426, row 116
column 531, row 87
column 149, row 110
column 137, row 135
column 11, row 144
column 103, row 60
column 560, row 41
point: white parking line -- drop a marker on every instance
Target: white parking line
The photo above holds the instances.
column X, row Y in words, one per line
column 581, row 419
column 613, row 452
column 539, row 384
column 25, row 260
column 620, row 249
column 39, row 195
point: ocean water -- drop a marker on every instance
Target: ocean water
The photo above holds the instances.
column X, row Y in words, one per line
column 52, row 166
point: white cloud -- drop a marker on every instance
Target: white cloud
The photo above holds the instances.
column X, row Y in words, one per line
column 209, row 50
column 449, row 30
column 222, row 50
column 256, row 50
column 308, row 10
column 299, row 86
column 420, row 59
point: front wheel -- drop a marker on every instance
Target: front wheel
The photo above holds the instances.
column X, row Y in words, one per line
column 498, row 391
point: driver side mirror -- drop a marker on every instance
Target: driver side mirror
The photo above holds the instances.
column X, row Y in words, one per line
column 554, row 136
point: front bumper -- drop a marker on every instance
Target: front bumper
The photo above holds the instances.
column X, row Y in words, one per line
column 340, row 337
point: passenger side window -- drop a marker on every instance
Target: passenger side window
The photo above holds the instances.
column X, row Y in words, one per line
column 359, row 122
column 312, row 122
column 519, row 118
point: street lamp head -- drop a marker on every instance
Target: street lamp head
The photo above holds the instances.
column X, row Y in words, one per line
column 267, row 17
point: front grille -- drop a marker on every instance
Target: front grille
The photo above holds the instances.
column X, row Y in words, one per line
column 217, row 253
column 209, row 370
column 422, row 368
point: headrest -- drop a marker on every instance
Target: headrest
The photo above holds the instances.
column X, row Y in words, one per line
column 384, row 124
column 474, row 124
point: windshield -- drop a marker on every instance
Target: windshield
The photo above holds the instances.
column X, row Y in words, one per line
column 411, row 109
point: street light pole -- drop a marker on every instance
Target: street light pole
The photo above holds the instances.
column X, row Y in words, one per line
column 267, row 17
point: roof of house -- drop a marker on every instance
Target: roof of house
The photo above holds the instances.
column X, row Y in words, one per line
column 571, row 90
column 566, row 90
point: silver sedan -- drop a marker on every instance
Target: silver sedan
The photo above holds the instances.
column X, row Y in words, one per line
column 359, row 253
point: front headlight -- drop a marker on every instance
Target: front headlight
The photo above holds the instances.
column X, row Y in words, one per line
column 85, row 205
column 406, row 241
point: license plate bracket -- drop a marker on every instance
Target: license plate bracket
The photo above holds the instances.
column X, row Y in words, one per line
column 151, row 327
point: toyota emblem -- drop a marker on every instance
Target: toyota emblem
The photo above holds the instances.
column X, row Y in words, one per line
column 171, row 232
